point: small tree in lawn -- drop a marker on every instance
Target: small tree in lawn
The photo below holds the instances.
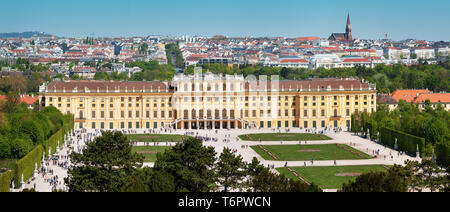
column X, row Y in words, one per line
column 230, row 170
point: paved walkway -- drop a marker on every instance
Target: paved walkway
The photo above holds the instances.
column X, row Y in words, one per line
column 222, row 139
column 52, row 173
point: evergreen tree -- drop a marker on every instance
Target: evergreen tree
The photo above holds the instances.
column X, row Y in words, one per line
column 230, row 170
column 104, row 165
column 191, row 165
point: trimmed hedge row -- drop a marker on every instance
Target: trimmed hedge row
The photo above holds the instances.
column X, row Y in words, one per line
column 52, row 142
column 355, row 126
column 443, row 154
column 5, row 180
column 405, row 142
column 26, row 165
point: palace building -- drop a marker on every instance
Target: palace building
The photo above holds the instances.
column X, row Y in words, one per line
column 209, row 101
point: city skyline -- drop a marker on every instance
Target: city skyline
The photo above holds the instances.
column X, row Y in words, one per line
column 231, row 18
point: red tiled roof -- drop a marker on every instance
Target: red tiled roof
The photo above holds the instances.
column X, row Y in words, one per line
column 356, row 60
column 330, row 48
column 294, row 61
column 315, row 84
column 307, row 38
column 434, row 98
column 75, row 53
column 19, row 50
column 104, row 86
column 359, row 50
column 29, row 100
column 408, row 95
column 25, row 99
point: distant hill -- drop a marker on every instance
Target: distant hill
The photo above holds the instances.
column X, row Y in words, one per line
column 22, row 34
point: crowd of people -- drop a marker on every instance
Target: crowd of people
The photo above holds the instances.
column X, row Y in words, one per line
column 53, row 168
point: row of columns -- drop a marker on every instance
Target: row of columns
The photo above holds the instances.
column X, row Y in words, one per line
column 222, row 125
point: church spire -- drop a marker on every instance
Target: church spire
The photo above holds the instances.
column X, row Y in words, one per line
column 348, row 19
column 348, row 29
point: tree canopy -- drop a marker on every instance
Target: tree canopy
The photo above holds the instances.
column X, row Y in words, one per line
column 104, row 165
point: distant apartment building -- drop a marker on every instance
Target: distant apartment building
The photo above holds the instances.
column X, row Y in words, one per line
column 215, row 60
column 84, row 72
column 424, row 53
column 443, row 52
column 325, row 61
column 292, row 63
column 394, row 53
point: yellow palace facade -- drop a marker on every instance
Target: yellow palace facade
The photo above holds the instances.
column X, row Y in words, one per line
column 208, row 101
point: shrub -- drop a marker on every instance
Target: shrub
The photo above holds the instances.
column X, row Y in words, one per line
column 405, row 142
column 443, row 154
column 5, row 181
column 26, row 165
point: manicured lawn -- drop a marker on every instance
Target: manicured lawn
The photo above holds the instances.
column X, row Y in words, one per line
column 284, row 137
column 157, row 138
column 149, row 152
column 306, row 152
column 330, row 177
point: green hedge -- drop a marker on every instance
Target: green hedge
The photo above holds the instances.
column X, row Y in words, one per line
column 5, row 181
column 355, row 126
column 443, row 154
column 405, row 142
column 52, row 142
column 26, row 165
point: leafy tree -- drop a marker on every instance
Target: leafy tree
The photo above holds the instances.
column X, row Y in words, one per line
column 143, row 49
column 230, row 170
column 135, row 183
column 191, row 165
column 368, row 182
column 254, row 168
column 431, row 176
column 104, row 165
column 267, row 181
column 12, row 102
column 299, row 186
column 396, row 179
column 161, row 181
column 447, row 183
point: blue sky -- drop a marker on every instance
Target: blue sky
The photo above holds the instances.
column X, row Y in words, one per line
column 290, row 18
